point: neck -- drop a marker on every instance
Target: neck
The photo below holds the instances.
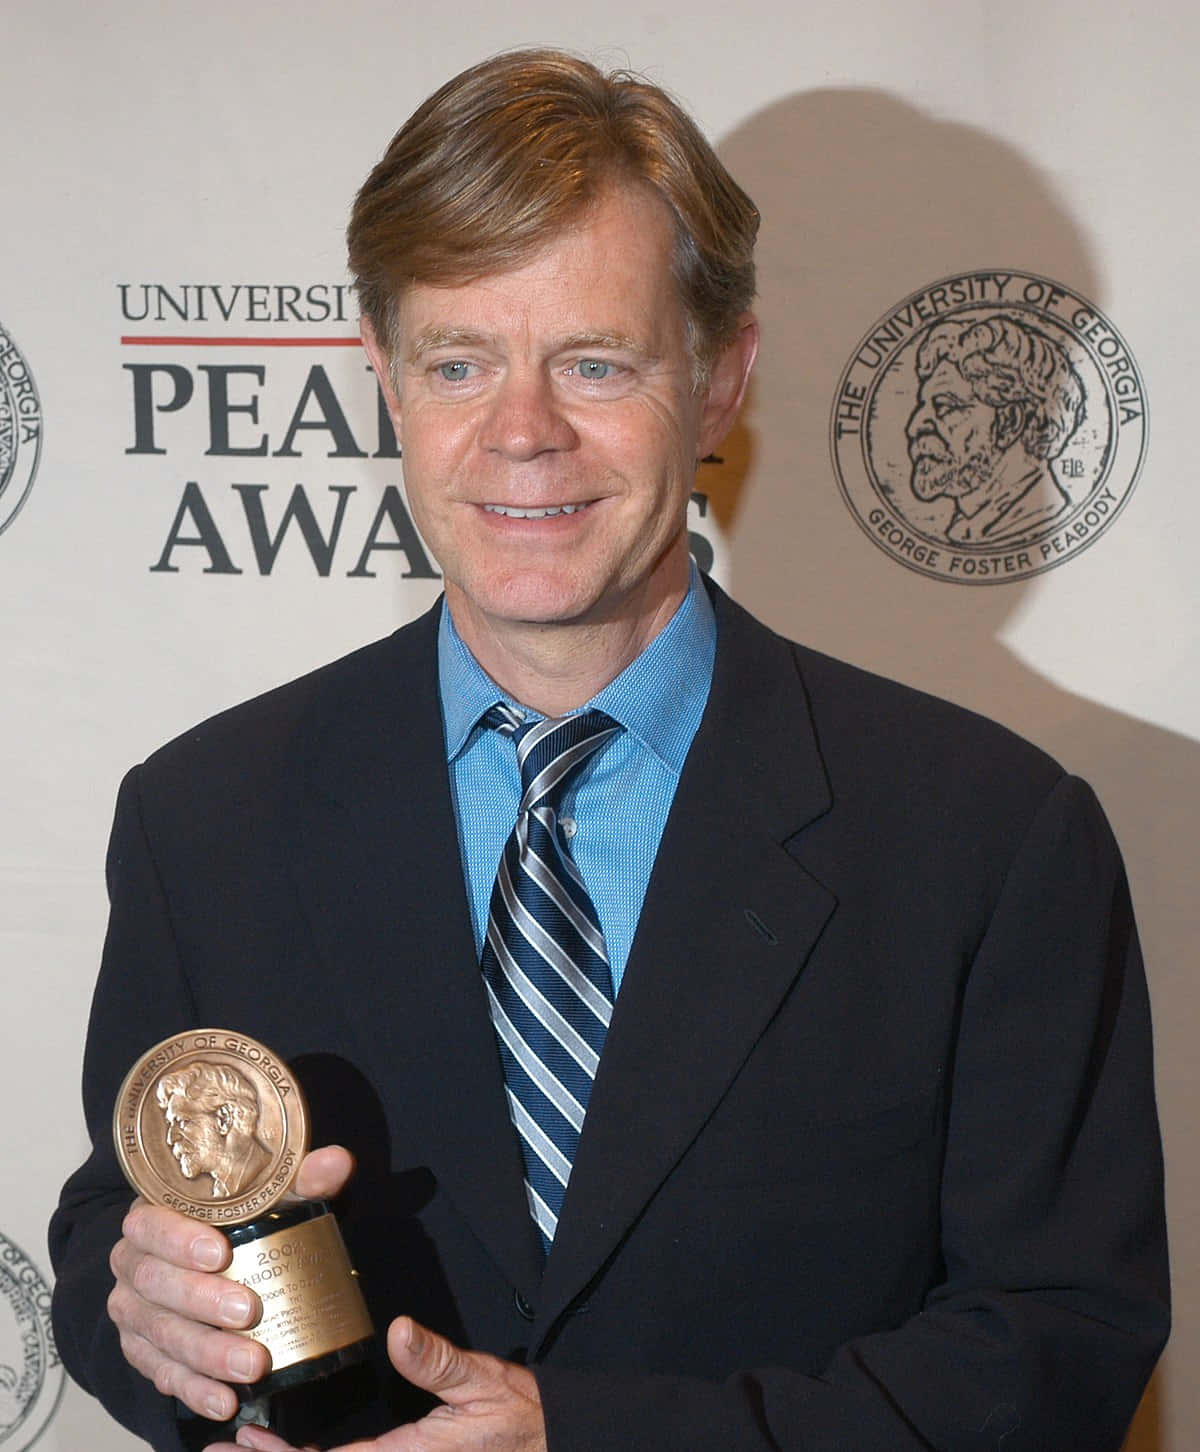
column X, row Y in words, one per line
column 554, row 668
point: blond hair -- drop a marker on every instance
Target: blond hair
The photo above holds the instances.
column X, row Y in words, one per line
column 500, row 159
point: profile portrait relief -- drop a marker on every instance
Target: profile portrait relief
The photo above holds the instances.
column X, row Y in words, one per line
column 212, row 1113
column 997, row 404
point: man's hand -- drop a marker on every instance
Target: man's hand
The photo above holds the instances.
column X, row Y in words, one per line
column 488, row 1405
column 176, row 1318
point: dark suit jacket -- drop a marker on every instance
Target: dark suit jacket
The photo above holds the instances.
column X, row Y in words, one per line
column 871, row 1161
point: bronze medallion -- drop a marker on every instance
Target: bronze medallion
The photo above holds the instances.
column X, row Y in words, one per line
column 213, row 1124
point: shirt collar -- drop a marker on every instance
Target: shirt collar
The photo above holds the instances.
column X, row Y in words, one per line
column 676, row 667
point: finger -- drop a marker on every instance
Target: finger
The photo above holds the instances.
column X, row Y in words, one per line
column 222, row 1355
column 203, row 1395
column 146, row 1284
column 436, row 1365
column 324, row 1172
column 172, row 1237
column 253, row 1435
column 260, row 1438
column 153, row 1339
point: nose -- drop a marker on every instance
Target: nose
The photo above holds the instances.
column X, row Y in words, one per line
column 920, row 421
column 525, row 417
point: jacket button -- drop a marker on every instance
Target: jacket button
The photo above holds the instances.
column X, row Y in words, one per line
column 524, row 1309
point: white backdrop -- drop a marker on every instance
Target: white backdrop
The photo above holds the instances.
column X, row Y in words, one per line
column 203, row 149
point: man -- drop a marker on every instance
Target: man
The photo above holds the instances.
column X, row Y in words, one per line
column 999, row 402
column 211, row 1115
column 869, row 1158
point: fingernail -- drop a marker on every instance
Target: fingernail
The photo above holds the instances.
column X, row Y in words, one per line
column 235, row 1308
column 416, row 1338
column 206, row 1254
column 243, row 1363
column 218, row 1407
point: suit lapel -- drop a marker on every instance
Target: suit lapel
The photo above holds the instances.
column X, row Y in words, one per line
column 724, row 932
column 728, row 922
column 378, row 864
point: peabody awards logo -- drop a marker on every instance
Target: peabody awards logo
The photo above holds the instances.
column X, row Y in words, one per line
column 20, row 430
column 31, row 1374
column 989, row 428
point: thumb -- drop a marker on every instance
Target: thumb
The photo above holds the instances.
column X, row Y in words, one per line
column 324, row 1172
column 434, row 1364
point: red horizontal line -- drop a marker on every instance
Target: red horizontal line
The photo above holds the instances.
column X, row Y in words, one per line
column 158, row 340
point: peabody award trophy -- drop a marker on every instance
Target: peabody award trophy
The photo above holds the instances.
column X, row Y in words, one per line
column 214, row 1125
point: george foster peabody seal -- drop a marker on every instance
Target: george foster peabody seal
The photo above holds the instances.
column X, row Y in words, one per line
column 31, row 1374
column 20, row 429
column 989, row 427
column 212, row 1124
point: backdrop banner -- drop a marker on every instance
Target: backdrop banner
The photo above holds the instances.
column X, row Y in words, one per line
column 201, row 495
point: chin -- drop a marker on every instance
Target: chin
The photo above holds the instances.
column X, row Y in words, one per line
column 932, row 479
column 537, row 602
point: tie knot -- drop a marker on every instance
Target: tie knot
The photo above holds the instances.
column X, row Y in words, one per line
column 551, row 751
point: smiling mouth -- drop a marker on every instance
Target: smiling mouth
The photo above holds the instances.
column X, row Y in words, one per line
column 545, row 511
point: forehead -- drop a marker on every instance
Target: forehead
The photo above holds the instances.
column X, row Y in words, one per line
column 947, row 378
column 607, row 273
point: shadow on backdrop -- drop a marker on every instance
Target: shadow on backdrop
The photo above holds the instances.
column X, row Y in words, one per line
column 866, row 199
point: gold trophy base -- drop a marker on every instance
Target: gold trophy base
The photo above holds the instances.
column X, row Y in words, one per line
column 314, row 1319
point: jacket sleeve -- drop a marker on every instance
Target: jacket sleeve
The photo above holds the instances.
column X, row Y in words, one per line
column 141, row 996
column 1051, row 1308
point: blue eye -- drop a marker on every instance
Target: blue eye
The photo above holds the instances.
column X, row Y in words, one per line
column 456, row 371
column 593, row 369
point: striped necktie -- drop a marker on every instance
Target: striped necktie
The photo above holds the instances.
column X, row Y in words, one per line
column 544, row 960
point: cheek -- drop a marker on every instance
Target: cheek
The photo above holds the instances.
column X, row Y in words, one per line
column 655, row 450
column 958, row 432
column 425, row 467
column 978, row 433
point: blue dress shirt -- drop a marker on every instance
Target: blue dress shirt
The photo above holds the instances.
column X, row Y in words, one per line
column 620, row 800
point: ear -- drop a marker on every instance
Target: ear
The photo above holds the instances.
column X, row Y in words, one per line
column 381, row 363
column 727, row 382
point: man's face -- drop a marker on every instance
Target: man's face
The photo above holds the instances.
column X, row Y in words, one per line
column 951, row 436
column 194, row 1137
column 550, row 428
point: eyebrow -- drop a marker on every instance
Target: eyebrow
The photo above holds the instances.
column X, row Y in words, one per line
column 429, row 339
column 614, row 342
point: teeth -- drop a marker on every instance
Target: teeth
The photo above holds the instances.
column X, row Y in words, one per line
column 514, row 513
